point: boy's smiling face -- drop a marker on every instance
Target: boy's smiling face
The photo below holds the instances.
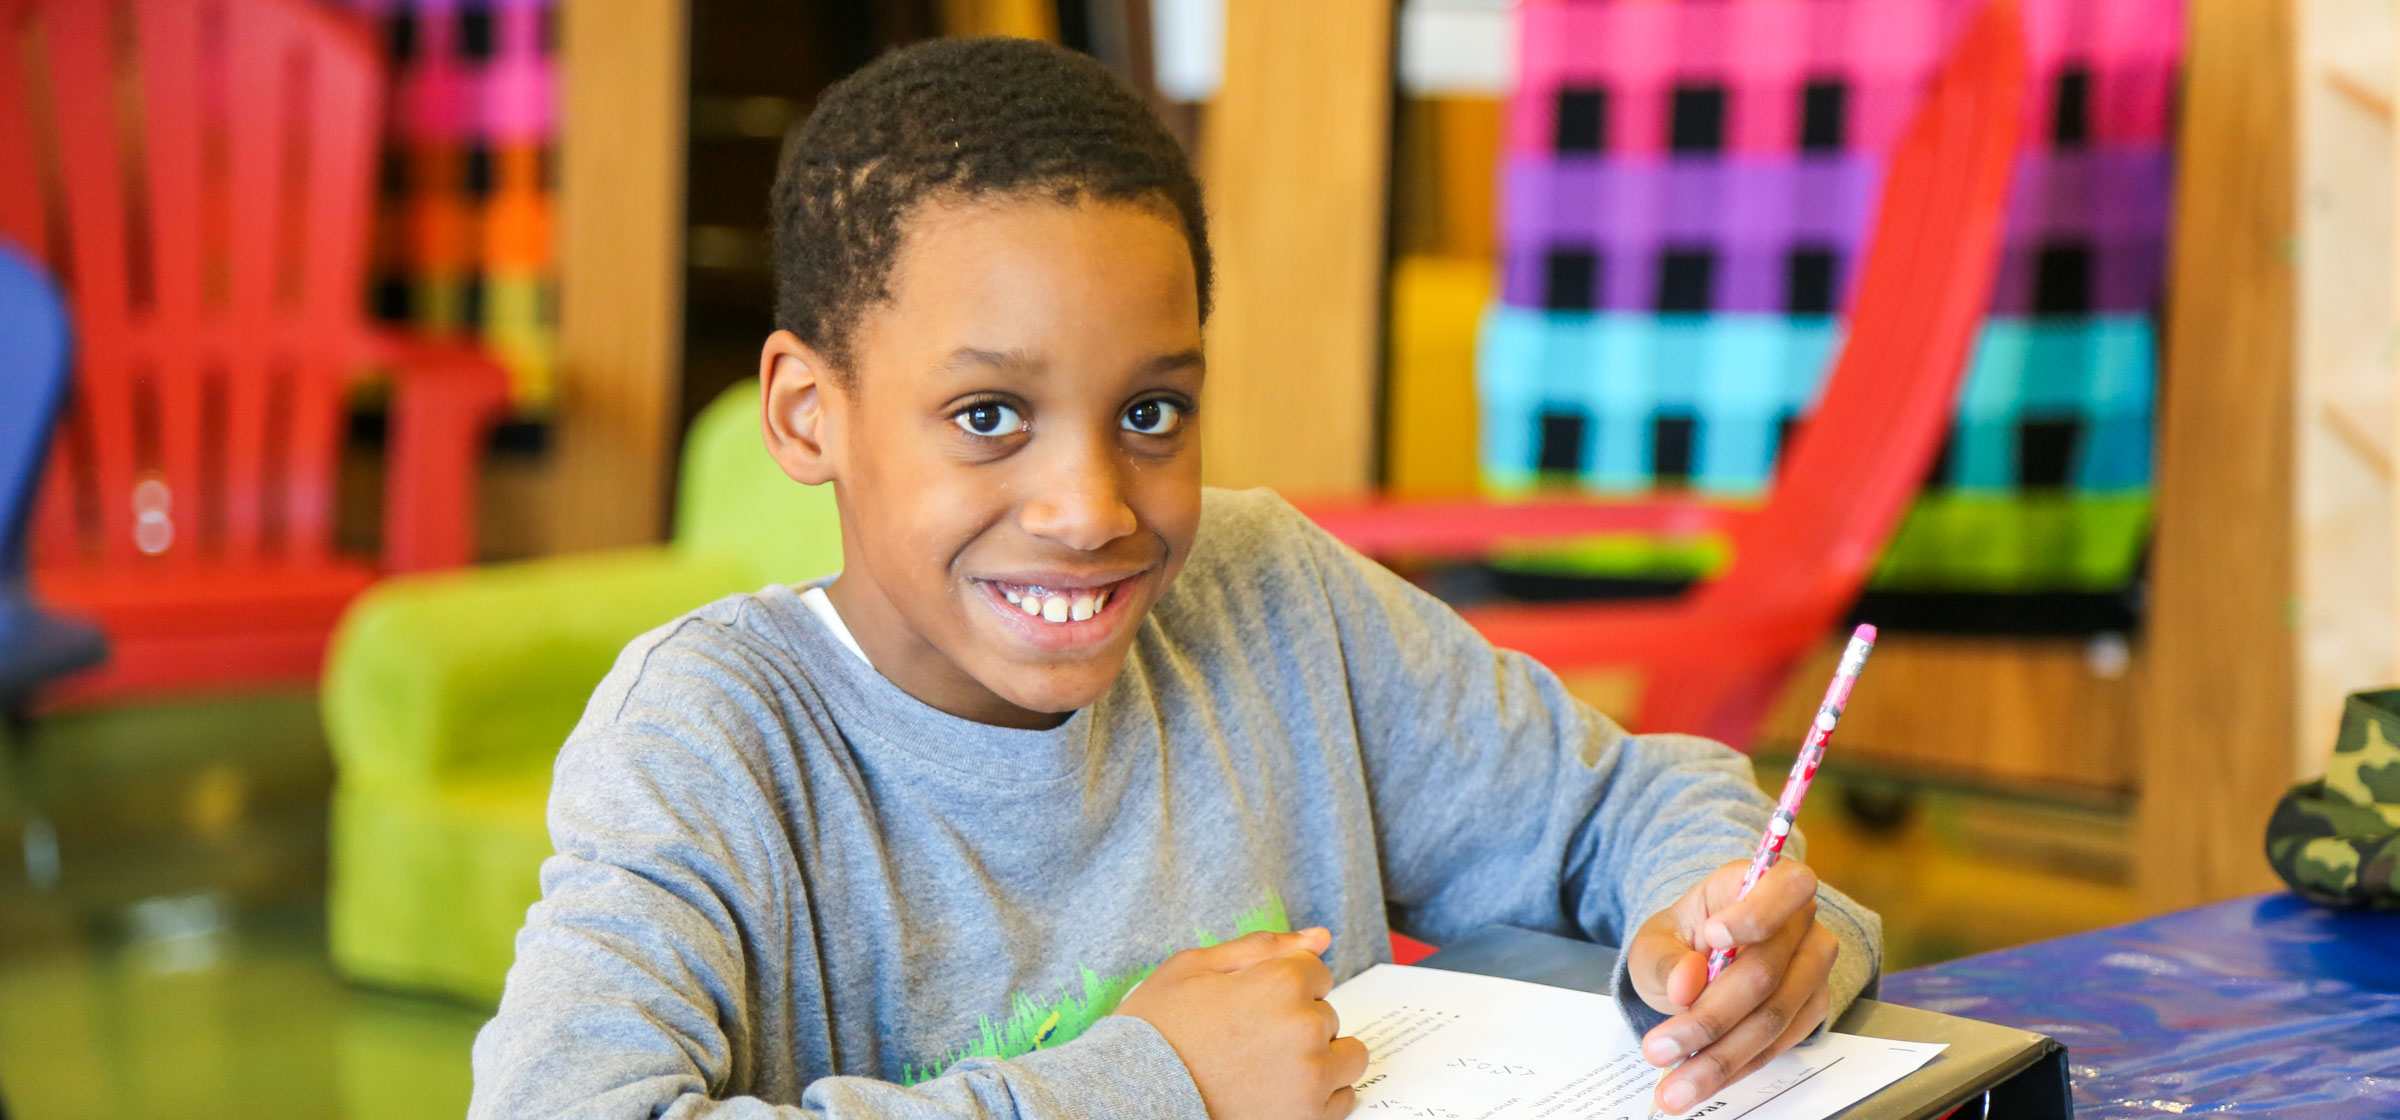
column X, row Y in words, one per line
column 1016, row 452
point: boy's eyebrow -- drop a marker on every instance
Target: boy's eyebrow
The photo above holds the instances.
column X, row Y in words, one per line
column 1166, row 363
column 965, row 358
column 1006, row 361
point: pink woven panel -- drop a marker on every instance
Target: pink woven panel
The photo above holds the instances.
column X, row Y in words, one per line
column 1761, row 58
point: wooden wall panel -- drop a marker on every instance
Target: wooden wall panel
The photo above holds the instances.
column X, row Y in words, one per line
column 2348, row 569
column 2018, row 713
column 620, row 263
column 2218, row 713
column 1295, row 156
column 1446, row 176
column 1018, row 19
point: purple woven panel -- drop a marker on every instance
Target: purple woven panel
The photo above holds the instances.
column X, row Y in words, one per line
column 1748, row 217
column 2086, row 233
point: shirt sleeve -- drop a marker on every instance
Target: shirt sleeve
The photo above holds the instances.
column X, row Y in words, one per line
column 635, row 993
column 1499, row 799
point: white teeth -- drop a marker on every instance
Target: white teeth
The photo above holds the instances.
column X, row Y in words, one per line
column 1057, row 606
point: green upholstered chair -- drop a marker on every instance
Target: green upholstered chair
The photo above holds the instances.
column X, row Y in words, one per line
column 446, row 698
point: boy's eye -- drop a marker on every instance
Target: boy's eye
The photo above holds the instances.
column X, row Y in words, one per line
column 988, row 418
column 1154, row 418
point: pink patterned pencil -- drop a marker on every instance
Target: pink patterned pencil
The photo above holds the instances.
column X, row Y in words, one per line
column 1804, row 770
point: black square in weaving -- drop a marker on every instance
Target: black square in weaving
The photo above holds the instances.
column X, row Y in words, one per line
column 479, row 170
column 470, row 301
column 1697, row 123
column 1787, row 430
column 1671, row 438
column 1823, row 107
column 1943, row 470
column 1808, row 281
column 2071, row 110
column 2062, row 279
column 1687, row 280
column 1582, row 119
column 1571, row 279
column 400, row 35
column 392, row 298
column 1560, row 449
column 475, row 31
column 2046, row 453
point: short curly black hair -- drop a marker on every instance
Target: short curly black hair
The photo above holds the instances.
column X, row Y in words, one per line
column 955, row 118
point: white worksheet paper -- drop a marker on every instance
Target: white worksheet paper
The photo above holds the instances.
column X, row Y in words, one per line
column 1457, row 1046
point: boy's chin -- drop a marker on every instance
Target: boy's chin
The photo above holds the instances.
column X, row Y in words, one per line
column 1057, row 689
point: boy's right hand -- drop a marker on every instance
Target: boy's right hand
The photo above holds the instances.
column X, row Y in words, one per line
column 1250, row 1021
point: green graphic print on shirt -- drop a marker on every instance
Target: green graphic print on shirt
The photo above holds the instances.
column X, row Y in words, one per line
column 1031, row 1024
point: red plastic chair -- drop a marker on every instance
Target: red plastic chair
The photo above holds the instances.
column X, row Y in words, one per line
column 199, row 175
column 1714, row 658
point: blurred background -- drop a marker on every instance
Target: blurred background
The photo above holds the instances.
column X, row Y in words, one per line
column 297, row 614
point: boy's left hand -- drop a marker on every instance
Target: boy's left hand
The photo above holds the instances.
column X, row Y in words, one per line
column 1771, row 996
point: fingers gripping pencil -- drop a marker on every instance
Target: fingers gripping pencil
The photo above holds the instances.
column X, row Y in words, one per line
column 1804, row 771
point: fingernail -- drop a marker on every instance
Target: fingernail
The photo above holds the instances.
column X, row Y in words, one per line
column 1659, row 1049
column 1678, row 1097
column 1718, row 936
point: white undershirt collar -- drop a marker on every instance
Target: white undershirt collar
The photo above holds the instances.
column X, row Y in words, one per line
column 821, row 605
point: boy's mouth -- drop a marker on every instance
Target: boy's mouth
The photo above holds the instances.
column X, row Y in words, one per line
column 1058, row 614
column 1056, row 605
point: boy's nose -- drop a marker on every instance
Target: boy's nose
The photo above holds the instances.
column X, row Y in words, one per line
column 1081, row 506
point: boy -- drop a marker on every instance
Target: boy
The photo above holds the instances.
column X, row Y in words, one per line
column 902, row 843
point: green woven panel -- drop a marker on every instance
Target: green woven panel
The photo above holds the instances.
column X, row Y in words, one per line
column 1948, row 542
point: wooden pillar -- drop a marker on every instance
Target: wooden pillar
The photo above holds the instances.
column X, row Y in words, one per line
column 1295, row 152
column 620, row 263
column 2219, row 713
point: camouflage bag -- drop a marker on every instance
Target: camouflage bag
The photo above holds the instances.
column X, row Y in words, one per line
column 2337, row 839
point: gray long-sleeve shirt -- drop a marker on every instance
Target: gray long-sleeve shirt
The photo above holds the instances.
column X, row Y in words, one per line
column 783, row 884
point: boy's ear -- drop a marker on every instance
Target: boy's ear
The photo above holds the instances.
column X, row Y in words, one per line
column 795, row 384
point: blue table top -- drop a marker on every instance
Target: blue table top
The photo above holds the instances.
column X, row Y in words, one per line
column 2265, row 1006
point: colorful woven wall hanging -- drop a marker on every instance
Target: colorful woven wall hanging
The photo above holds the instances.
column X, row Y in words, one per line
column 464, row 240
column 1684, row 191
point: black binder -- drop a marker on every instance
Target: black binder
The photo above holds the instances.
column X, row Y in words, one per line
column 1989, row 1071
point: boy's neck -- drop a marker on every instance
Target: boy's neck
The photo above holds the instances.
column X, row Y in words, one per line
column 917, row 666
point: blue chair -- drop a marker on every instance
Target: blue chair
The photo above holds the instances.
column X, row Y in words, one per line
column 35, row 646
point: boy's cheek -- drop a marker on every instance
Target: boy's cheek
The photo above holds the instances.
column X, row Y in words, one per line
column 1168, row 503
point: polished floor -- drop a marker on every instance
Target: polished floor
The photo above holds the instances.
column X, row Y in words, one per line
column 176, row 967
